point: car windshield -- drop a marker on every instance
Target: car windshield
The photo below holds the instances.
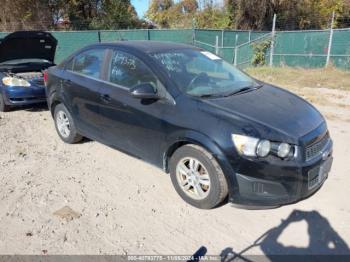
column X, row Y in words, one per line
column 201, row 73
column 24, row 61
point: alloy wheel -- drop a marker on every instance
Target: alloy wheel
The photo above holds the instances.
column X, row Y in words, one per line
column 193, row 178
column 63, row 124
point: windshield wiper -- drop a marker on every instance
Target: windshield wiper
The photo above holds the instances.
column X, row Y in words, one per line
column 209, row 95
column 243, row 90
column 239, row 91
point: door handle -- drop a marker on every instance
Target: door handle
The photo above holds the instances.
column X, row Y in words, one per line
column 106, row 98
column 67, row 82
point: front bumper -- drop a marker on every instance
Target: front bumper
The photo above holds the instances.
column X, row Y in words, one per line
column 17, row 96
column 274, row 185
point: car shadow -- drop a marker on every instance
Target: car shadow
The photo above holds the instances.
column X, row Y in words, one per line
column 85, row 140
column 31, row 108
column 323, row 241
column 201, row 252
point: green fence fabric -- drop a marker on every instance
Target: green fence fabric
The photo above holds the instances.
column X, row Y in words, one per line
column 178, row 36
column 227, row 38
column 301, row 48
column 341, row 48
column 245, row 52
column 68, row 42
column 110, row 36
column 292, row 48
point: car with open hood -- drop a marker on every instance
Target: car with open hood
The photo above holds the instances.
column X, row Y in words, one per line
column 221, row 134
column 24, row 55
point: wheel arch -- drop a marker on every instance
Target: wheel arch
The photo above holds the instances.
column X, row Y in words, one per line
column 53, row 101
column 190, row 137
column 208, row 144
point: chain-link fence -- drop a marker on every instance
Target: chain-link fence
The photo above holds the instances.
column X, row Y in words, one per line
column 70, row 41
column 307, row 49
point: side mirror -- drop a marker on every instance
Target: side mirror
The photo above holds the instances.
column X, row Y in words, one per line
column 144, row 91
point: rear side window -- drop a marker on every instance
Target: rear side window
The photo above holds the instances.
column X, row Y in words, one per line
column 127, row 70
column 88, row 63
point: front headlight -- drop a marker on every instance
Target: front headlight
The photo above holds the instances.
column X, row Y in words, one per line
column 245, row 145
column 254, row 147
column 283, row 150
column 14, row 81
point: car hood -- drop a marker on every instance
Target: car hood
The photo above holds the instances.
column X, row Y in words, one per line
column 28, row 44
column 273, row 108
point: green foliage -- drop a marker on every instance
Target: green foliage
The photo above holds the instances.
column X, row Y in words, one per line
column 212, row 17
column 119, row 14
column 167, row 14
column 291, row 14
column 115, row 15
column 260, row 50
column 24, row 14
column 73, row 14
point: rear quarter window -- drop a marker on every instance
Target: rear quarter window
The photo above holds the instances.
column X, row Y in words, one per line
column 88, row 63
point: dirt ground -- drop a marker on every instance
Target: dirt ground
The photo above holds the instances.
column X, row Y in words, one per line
column 115, row 204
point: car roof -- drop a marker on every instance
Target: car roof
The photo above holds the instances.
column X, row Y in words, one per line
column 150, row 46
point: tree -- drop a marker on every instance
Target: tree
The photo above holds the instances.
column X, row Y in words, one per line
column 168, row 14
column 291, row 14
column 211, row 16
column 25, row 15
column 159, row 11
column 115, row 14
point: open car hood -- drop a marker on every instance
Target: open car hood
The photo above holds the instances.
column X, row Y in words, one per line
column 28, row 44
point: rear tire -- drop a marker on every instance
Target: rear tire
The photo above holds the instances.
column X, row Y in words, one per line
column 65, row 125
column 197, row 177
column 3, row 106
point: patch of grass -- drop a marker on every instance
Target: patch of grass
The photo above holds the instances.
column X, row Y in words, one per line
column 295, row 78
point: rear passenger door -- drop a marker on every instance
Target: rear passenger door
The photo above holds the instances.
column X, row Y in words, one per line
column 81, row 89
column 131, row 124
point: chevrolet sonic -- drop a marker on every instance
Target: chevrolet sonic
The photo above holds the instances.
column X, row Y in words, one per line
column 221, row 134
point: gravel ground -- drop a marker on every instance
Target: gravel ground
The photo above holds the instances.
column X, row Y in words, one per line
column 91, row 199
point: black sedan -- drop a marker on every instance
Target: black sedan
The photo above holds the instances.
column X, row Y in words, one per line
column 24, row 55
column 219, row 133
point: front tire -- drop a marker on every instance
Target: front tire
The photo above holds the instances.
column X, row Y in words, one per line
column 3, row 106
column 197, row 177
column 65, row 125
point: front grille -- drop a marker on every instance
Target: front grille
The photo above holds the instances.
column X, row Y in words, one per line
column 316, row 148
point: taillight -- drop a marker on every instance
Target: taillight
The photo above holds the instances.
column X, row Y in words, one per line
column 45, row 77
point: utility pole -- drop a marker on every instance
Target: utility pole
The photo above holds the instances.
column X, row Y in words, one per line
column 272, row 48
column 330, row 42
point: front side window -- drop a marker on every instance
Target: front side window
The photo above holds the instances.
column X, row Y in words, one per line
column 200, row 73
column 128, row 71
column 88, row 63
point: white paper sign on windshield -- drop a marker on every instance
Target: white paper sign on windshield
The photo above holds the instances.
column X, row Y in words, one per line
column 210, row 55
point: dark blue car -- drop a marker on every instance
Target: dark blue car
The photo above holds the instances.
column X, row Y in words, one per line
column 218, row 132
column 24, row 55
